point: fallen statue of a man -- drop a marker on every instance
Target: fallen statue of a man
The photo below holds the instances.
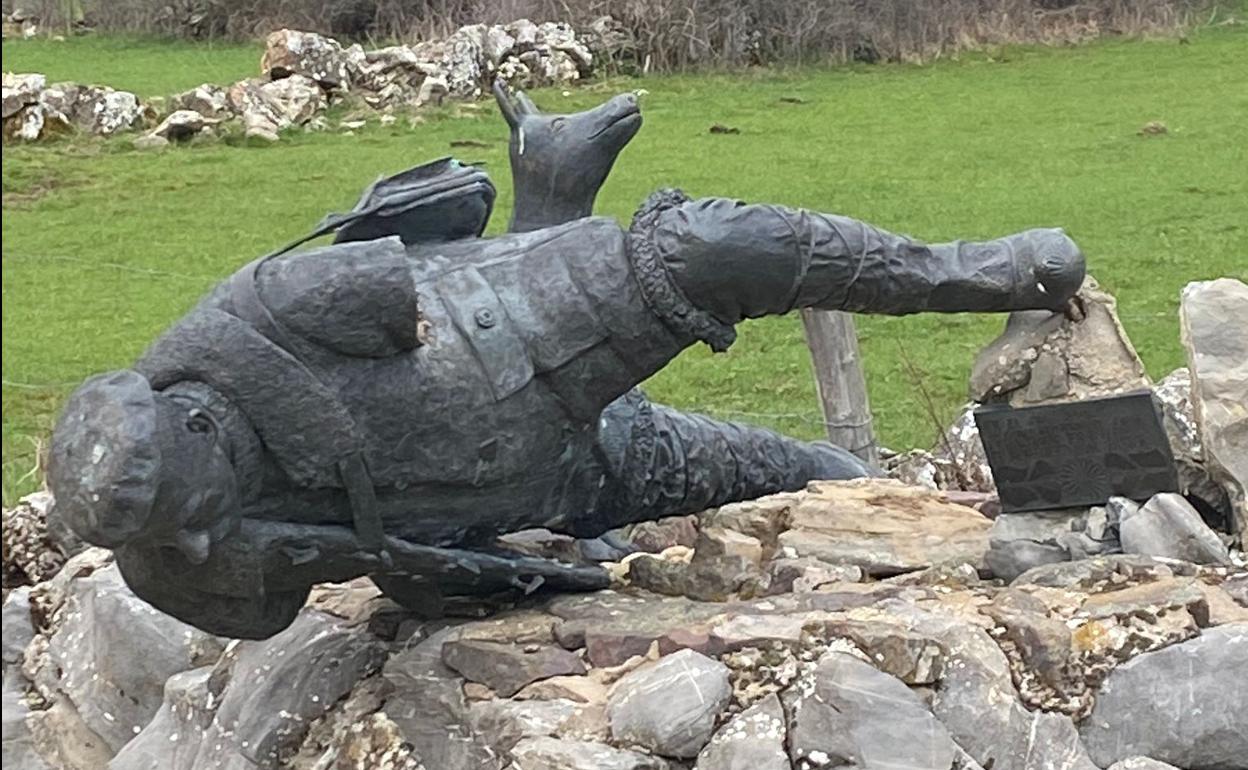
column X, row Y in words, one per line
column 389, row 404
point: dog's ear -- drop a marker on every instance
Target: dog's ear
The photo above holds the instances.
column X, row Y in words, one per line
column 514, row 108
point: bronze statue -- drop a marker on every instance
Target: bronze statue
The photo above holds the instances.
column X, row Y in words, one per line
column 389, row 404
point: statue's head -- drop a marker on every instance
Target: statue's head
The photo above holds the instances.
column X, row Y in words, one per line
column 132, row 465
column 558, row 162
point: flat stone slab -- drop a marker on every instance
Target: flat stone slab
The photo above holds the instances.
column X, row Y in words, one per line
column 507, row 668
column 884, row 527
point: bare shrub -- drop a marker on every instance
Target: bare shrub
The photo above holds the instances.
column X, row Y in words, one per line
column 671, row 35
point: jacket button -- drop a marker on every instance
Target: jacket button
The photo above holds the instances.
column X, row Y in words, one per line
column 485, row 318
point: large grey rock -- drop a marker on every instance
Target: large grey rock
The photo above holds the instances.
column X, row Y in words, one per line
column 976, row 701
column 1043, row 356
column 18, row 627
column 1020, row 541
column 1213, row 316
column 428, row 706
column 173, row 739
column 208, row 99
column 670, row 707
column 97, row 110
column 752, row 740
column 291, row 52
column 182, row 124
column 1168, row 526
column 506, row 668
column 852, row 715
column 1184, row 704
column 113, row 652
column 545, row 753
column 1174, row 393
column 253, row 707
column 269, row 107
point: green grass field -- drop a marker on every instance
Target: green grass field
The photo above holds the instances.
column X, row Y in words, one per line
column 104, row 246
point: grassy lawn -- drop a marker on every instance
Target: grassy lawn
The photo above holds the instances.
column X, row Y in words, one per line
column 104, row 246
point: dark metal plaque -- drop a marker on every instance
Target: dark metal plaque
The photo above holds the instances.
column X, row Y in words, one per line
column 1077, row 453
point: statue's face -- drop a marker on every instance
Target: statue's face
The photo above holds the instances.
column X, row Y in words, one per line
column 198, row 490
column 586, row 140
column 560, row 161
column 131, row 465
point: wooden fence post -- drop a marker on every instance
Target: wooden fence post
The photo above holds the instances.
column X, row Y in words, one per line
column 842, row 388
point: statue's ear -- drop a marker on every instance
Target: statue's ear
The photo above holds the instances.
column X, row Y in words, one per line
column 505, row 104
column 515, row 108
column 527, row 107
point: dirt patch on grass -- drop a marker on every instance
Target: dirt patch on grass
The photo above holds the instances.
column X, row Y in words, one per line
column 26, row 194
column 26, row 187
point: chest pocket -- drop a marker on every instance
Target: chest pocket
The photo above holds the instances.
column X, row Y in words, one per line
column 553, row 314
column 481, row 318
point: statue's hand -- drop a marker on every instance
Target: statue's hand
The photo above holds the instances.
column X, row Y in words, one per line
column 1075, row 309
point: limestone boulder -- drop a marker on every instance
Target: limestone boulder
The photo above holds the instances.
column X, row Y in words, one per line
column 1194, row 717
column 670, row 707
column 291, row 52
column 1044, row 357
column 848, row 712
column 1174, row 394
column 269, row 107
column 91, row 656
column 429, row 709
column 1213, row 317
column 181, row 125
column 253, row 707
column 752, row 740
column 208, row 99
column 1168, row 526
column 1020, row 541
